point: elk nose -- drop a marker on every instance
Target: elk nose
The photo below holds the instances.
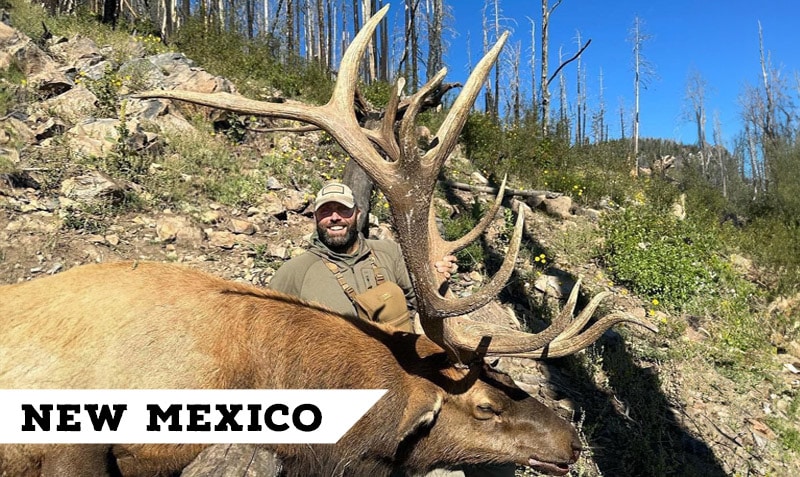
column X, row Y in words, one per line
column 577, row 448
column 576, row 451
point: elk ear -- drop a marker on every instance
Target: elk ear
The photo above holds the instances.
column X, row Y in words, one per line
column 420, row 412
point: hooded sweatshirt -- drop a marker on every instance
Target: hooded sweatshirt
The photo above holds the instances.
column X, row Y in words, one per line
column 306, row 276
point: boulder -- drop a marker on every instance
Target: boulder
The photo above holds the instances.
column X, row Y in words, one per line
column 41, row 71
column 92, row 188
column 560, row 207
column 78, row 51
column 71, row 106
column 176, row 228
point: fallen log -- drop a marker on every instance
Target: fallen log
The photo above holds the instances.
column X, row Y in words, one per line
column 494, row 190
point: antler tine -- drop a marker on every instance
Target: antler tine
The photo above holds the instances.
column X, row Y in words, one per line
column 583, row 317
column 485, row 221
column 384, row 137
column 457, row 117
column 407, row 131
column 563, row 337
column 348, row 69
column 443, row 307
column 466, row 334
column 564, row 347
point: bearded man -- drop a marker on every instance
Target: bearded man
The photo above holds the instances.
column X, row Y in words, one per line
column 341, row 266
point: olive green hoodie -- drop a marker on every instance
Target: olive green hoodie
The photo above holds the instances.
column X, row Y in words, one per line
column 306, row 276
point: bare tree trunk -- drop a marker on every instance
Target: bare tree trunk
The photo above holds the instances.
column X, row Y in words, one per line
column 309, row 28
column 356, row 20
column 186, row 10
column 414, row 44
column 496, row 105
column 584, row 111
column 205, row 13
column 516, row 100
column 599, row 121
column 370, row 59
column 579, row 99
column 250, row 19
column 330, row 16
column 344, row 37
column 721, row 154
column 435, row 10
column 696, row 94
column 265, row 25
column 642, row 70
column 545, row 96
column 409, row 61
column 166, row 19
column 769, row 114
column 362, row 187
column 230, row 20
column 534, row 95
column 110, row 12
column 323, row 54
column 383, row 57
column 563, row 108
column 291, row 46
column 357, row 26
column 636, row 51
column 488, row 94
column 753, row 152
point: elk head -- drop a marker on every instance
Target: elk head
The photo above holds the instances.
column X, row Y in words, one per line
column 407, row 177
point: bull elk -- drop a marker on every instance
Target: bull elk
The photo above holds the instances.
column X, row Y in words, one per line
column 148, row 325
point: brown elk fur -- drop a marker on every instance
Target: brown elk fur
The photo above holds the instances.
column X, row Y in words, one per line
column 148, row 325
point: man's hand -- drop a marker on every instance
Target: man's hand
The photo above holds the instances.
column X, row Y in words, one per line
column 447, row 265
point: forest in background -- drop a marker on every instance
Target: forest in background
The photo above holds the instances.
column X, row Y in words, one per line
column 290, row 48
column 757, row 169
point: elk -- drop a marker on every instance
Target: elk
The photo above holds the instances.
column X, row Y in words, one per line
column 148, row 325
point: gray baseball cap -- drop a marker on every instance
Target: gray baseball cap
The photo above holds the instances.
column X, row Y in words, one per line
column 335, row 192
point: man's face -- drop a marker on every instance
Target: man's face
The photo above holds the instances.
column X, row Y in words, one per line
column 337, row 226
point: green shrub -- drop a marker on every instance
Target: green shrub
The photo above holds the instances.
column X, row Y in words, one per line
column 472, row 257
column 482, row 140
column 377, row 93
column 659, row 256
column 253, row 64
column 13, row 88
column 6, row 166
column 775, row 244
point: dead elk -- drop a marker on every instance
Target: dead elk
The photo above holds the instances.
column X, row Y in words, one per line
column 148, row 325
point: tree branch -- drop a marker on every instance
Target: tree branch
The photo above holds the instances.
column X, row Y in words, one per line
column 574, row 57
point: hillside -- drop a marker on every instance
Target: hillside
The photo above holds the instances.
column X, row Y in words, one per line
column 90, row 174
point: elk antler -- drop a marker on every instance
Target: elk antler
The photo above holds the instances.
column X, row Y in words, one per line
column 407, row 180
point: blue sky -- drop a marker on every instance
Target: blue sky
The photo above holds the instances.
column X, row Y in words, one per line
column 717, row 38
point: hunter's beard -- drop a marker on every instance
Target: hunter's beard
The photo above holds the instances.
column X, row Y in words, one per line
column 339, row 243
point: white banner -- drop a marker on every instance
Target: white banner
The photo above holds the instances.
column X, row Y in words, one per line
column 181, row 416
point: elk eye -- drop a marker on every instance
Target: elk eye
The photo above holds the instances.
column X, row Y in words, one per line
column 485, row 411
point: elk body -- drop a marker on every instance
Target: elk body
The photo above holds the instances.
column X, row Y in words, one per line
column 148, row 325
